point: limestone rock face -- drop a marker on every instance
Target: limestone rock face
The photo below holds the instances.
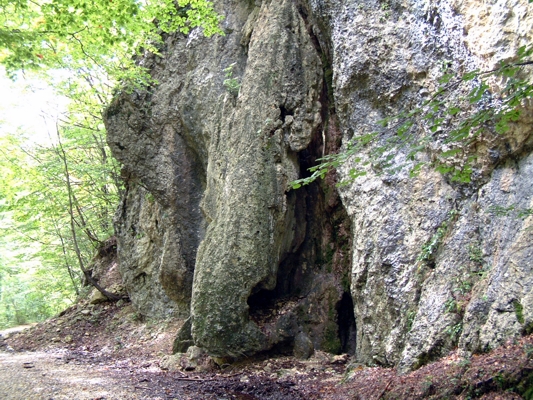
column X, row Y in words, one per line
column 250, row 162
column 209, row 228
column 210, row 231
column 474, row 292
column 152, row 263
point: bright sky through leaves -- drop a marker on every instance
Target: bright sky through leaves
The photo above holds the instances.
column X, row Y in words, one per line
column 30, row 106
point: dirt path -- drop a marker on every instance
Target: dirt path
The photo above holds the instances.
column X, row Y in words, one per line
column 72, row 375
column 101, row 352
column 39, row 375
column 20, row 328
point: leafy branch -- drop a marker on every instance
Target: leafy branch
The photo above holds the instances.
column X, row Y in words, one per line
column 446, row 124
column 99, row 34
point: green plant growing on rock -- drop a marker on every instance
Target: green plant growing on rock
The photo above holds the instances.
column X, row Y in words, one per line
column 232, row 84
column 519, row 311
column 150, row 198
column 451, row 306
column 475, row 253
column 454, row 331
column 385, row 7
column 462, row 286
column 459, row 112
column 429, row 249
column 511, row 210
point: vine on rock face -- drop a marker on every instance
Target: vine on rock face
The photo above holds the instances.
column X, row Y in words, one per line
column 446, row 125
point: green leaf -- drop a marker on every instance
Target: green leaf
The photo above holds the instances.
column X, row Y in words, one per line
column 355, row 173
column 450, row 153
column 443, row 169
column 476, row 93
column 470, row 75
column 453, row 110
column 462, row 175
column 383, row 122
column 445, row 78
column 415, row 171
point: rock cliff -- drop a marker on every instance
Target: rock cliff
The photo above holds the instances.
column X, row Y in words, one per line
column 209, row 230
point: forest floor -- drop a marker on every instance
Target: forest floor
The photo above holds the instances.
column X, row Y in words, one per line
column 105, row 351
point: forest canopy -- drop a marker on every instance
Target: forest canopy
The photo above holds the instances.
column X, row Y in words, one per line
column 93, row 33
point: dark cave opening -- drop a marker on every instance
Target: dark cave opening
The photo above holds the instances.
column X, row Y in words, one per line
column 262, row 304
column 346, row 323
column 265, row 308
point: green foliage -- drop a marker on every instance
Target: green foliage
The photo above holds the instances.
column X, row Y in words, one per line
column 475, row 253
column 333, row 161
column 35, row 213
column 429, row 250
column 149, row 197
column 58, row 200
column 386, row 9
column 512, row 210
column 231, row 84
column 38, row 183
column 94, row 34
column 451, row 306
column 519, row 311
column 454, row 331
column 463, row 287
column 28, row 294
column 447, row 124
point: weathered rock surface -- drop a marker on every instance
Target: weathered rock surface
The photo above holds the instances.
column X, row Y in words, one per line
column 256, row 263
column 209, row 229
column 407, row 311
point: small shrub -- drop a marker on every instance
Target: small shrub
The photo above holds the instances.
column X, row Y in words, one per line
column 450, row 306
column 463, row 287
column 475, row 253
column 454, row 331
column 231, row 84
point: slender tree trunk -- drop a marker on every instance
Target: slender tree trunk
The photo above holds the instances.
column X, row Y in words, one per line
column 86, row 273
column 67, row 264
